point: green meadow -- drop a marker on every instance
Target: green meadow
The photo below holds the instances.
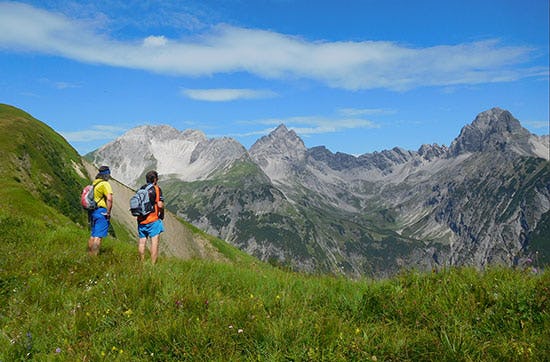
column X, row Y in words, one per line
column 59, row 304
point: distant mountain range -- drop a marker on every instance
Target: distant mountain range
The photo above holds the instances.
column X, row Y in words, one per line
column 483, row 200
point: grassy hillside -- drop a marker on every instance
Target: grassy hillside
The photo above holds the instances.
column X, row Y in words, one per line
column 59, row 304
column 37, row 160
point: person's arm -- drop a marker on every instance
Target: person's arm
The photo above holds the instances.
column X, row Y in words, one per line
column 109, row 201
column 160, row 205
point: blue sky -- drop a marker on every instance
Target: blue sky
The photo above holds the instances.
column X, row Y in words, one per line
column 355, row 76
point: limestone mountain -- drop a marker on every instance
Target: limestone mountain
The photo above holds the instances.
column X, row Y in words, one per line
column 484, row 199
column 497, row 130
column 277, row 152
column 185, row 155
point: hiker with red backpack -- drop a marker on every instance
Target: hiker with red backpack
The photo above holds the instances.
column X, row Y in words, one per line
column 98, row 200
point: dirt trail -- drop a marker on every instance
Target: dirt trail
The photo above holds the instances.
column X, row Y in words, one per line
column 177, row 240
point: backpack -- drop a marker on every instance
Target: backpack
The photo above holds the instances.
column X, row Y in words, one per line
column 87, row 197
column 143, row 201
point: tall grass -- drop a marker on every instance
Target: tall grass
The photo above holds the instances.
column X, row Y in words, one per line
column 58, row 304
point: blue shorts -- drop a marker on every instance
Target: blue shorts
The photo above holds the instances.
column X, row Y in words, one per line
column 99, row 223
column 151, row 229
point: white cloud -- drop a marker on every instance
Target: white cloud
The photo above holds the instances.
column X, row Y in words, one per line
column 349, row 65
column 538, row 124
column 59, row 84
column 352, row 112
column 317, row 125
column 96, row 133
column 65, row 85
column 309, row 125
column 225, row 95
column 155, row 41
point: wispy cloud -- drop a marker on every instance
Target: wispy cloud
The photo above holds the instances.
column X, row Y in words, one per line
column 355, row 112
column 538, row 124
column 65, row 85
column 333, row 126
column 225, row 95
column 349, row 65
column 96, row 133
column 318, row 125
column 155, row 41
column 308, row 125
column 59, row 84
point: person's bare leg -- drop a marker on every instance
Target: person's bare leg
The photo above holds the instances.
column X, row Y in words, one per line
column 93, row 245
column 154, row 248
column 90, row 245
column 141, row 248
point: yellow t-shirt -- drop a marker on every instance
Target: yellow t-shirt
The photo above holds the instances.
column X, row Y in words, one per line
column 101, row 189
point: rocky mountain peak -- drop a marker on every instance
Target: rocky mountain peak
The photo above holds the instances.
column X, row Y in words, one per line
column 281, row 130
column 150, row 131
column 288, row 136
column 279, row 153
column 496, row 120
column 281, row 142
column 493, row 130
column 188, row 155
column 433, row 151
column 193, row 135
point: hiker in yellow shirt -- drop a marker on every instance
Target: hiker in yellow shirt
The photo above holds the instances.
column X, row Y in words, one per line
column 100, row 218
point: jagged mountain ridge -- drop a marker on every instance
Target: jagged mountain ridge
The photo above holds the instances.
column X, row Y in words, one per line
column 187, row 155
column 371, row 214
